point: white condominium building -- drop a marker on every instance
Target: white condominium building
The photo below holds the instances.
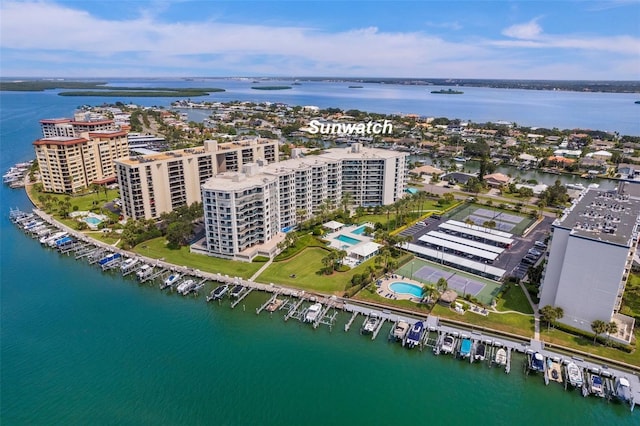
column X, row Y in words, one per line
column 245, row 212
column 157, row 183
column 69, row 164
column 68, row 127
column 591, row 253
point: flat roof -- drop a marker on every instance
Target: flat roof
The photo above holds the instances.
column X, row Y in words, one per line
column 60, row 140
column 364, row 153
column 603, row 216
column 456, row 260
column 365, row 249
column 481, row 228
column 234, row 181
column 466, row 241
column 470, row 231
column 459, row 247
column 333, row 225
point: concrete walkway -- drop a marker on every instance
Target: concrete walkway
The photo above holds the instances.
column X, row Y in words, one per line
column 536, row 314
column 261, row 270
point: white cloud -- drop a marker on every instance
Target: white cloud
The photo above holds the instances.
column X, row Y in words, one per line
column 527, row 31
column 52, row 34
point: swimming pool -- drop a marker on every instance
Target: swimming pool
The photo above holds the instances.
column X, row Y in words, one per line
column 406, row 288
column 347, row 240
column 359, row 230
column 92, row 220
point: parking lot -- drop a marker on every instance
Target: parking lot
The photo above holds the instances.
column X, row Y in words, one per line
column 512, row 259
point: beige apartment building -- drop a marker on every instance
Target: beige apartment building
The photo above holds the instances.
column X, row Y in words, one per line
column 69, row 164
column 247, row 213
column 157, row 183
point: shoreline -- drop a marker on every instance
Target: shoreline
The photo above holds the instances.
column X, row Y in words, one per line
column 272, row 287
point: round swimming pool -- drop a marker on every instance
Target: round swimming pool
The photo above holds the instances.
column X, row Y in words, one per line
column 406, row 288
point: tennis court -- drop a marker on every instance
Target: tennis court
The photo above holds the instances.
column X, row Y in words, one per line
column 456, row 282
column 507, row 222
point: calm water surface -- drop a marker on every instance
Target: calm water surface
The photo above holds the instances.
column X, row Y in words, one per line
column 82, row 347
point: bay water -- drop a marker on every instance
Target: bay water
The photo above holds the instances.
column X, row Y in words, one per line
column 79, row 346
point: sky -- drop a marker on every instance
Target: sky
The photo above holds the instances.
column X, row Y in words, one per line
column 562, row 39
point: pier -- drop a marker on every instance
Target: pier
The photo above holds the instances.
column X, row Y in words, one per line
column 433, row 335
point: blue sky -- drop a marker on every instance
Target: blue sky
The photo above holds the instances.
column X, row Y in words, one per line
column 440, row 39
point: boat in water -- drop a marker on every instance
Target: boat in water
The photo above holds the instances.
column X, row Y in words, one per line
column 574, row 375
column 128, row 264
column 313, row 312
column 144, row 272
column 400, row 330
column 448, row 344
column 170, row 281
column 465, row 348
column 274, row 305
column 415, row 334
column 536, row 362
column 370, row 324
column 500, row 357
column 622, row 389
column 218, row 293
column 554, row 370
column 479, row 355
column 186, row 287
column 236, row 291
column 596, row 386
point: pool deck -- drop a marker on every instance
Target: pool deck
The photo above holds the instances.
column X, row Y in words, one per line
column 385, row 291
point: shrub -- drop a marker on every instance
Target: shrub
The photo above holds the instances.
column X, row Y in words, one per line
column 260, row 259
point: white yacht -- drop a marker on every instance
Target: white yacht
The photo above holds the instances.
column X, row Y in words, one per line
column 500, row 357
column 370, row 324
column 171, row 280
column 313, row 312
column 144, row 272
column 574, row 375
column 448, row 344
column 186, row 286
column 400, row 330
column 128, row 264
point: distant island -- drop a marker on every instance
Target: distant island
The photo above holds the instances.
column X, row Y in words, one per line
column 271, row 87
column 143, row 93
column 84, row 88
column 356, row 87
column 447, row 92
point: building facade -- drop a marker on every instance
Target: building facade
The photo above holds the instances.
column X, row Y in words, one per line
column 246, row 213
column 157, row 183
column 69, row 164
column 590, row 256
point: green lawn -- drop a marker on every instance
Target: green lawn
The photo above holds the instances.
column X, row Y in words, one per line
column 514, row 299
column 510, row 323
column 157, row 249
column 306, row 267
column 84, row 202
column 586, row 345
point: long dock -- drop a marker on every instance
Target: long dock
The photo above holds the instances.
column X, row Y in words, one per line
column 347, row 326
column 245, row 292
column 439, row 329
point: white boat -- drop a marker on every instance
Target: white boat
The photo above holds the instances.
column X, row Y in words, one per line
column 186, row 286
column 171, row 280
column 595, row 385
column 218, row 292
column 46, row 240
column 574, row 375
column 500, row 357
column 400, row 330
column 623, row 389
column 144, row 272
column 577, row 186
column 313, row 312
column 370, row 324
column 128, row 264
column 448, row 344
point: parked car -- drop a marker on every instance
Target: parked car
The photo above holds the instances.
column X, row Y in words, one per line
column 540, row 244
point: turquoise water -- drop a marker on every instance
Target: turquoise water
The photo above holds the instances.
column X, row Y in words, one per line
column 359, row 230
column 78, row 346
column 92, row 221
column 347, row 240
column 406, row 288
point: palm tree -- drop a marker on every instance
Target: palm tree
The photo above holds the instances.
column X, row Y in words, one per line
column 598, row 327
column 442, row 284
column 550, row 314
column 612, row 328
